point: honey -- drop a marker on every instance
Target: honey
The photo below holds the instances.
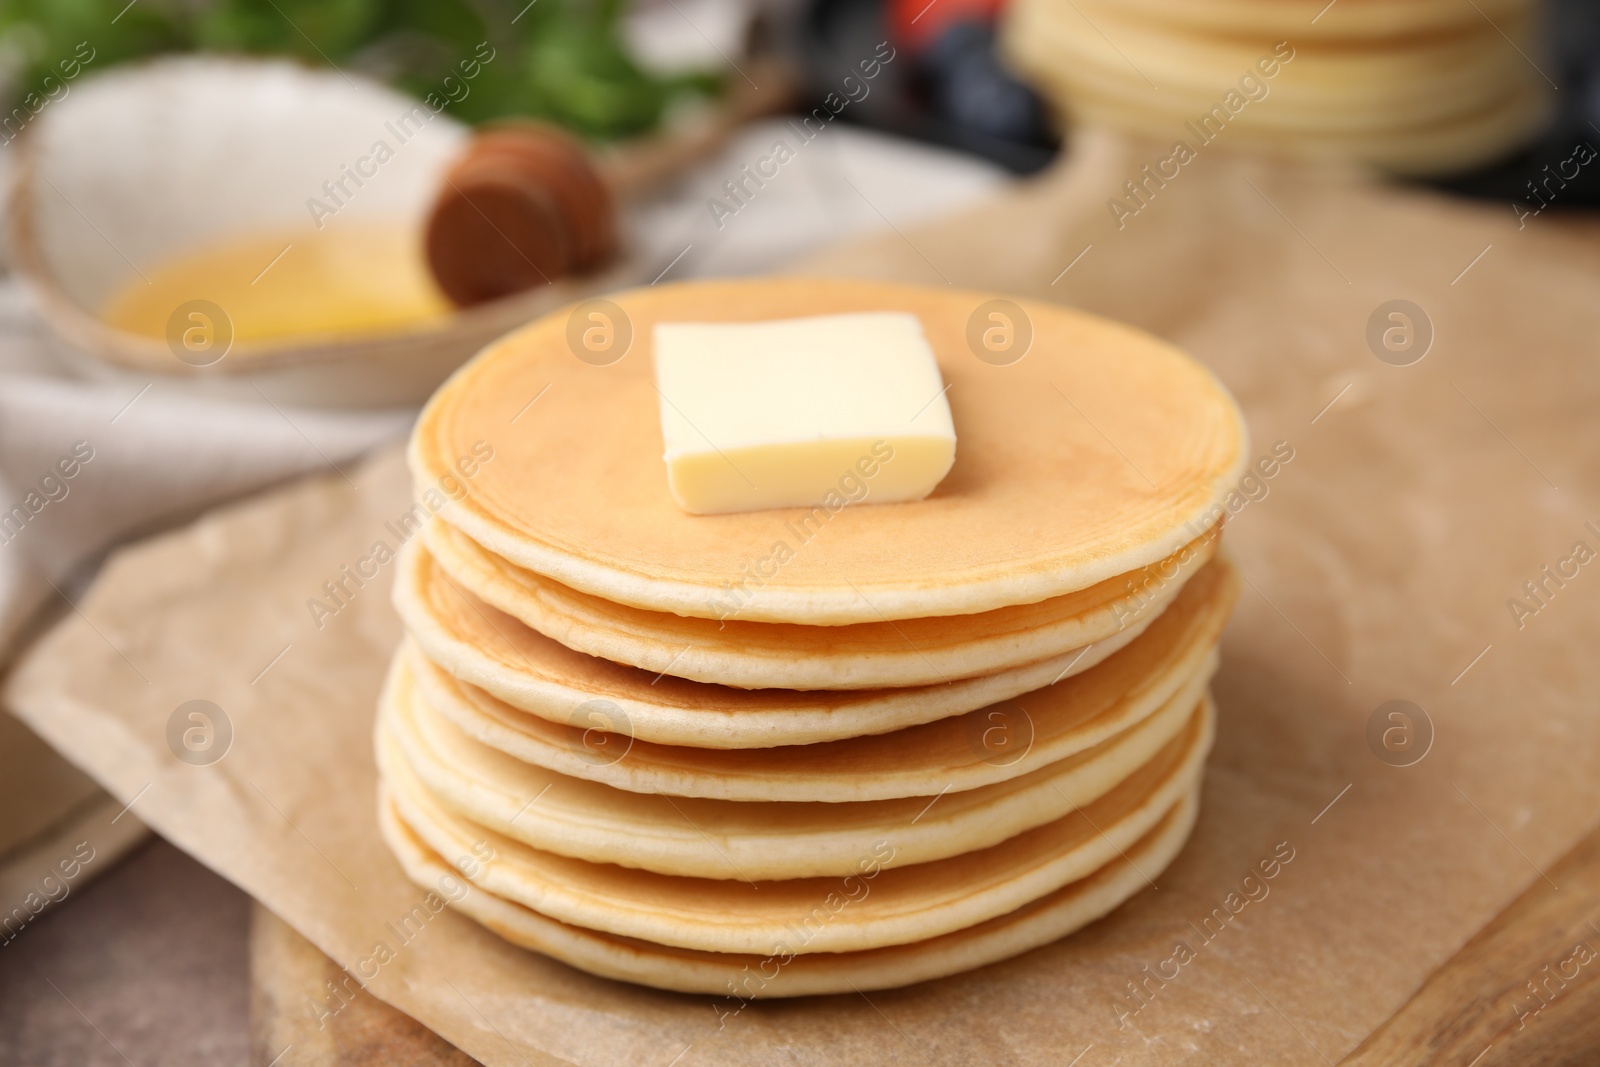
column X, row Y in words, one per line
column 342, row 282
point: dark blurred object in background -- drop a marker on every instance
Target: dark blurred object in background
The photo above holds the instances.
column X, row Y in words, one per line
column 944, row 85
column 969, row 88
column 1553, row 172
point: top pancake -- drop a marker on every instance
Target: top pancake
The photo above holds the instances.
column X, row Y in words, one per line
column 1099, row 451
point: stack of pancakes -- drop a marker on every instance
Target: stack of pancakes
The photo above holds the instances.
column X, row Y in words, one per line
column 1411, row 86
column 808, row 750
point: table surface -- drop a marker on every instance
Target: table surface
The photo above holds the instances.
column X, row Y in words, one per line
column 147, row 965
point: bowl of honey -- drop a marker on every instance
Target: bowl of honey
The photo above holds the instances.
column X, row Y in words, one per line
column 254, row 227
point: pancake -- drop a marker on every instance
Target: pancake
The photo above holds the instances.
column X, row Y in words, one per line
column 1342, row 91
column 1099, row 451
column 748, row 977
column 1414, row 87
column 1431, row 149
column 1298, row 20
column 729, row 839
column 992, row 744
column 971, row 751
column 1319, row 111
column 486, row 648
column 866, row 655
column 905, row 904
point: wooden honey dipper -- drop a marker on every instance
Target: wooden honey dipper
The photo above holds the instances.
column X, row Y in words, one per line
column 527, row 204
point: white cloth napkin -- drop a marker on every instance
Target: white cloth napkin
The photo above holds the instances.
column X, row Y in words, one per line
column 157, row 455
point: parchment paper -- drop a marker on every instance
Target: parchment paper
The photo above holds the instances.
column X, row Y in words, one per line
column 1380, row 560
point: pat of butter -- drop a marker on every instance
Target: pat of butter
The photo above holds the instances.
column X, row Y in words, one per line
column 826, row 410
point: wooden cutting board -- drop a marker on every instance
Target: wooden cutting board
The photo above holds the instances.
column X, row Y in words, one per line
column 289, row 976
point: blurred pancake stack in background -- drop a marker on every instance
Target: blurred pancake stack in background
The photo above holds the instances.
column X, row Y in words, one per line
column 1409, row 86
column 805, row 750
